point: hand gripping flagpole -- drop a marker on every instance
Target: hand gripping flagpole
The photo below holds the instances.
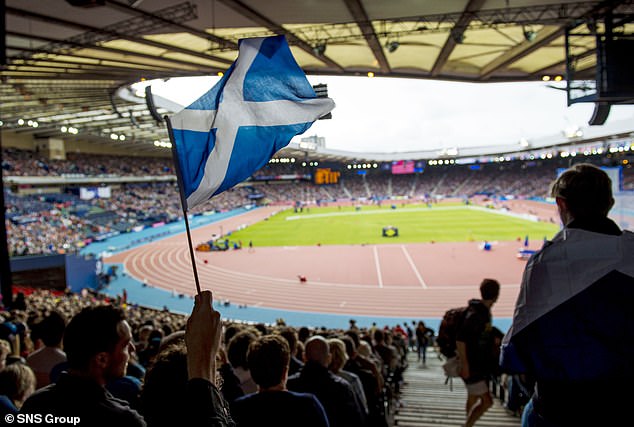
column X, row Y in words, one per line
column 181, row 191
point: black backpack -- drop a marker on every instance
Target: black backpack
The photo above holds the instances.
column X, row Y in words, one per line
column 451, row 323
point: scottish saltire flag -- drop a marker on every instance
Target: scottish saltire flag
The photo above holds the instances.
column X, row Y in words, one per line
column 575, row 294
column 572, row 262
column 259, row 105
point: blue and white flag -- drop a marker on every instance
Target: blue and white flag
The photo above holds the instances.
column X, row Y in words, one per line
column 573, row 261
column 560, row 329
column 260, row 104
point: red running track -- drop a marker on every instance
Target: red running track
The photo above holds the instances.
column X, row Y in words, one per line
column 400, row 280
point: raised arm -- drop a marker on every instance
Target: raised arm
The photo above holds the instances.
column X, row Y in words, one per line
column 202, row 337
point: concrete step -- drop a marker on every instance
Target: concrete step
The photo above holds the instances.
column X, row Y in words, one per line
column 427, row 401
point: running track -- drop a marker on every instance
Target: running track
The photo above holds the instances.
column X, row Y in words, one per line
column 400, row 280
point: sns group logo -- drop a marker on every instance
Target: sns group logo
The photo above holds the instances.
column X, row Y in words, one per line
column 41, row 419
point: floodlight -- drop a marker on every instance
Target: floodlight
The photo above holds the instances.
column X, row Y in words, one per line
column 319, row 49
column 529, row 34
column 592, row 25
column 457, row 36
column 392, row 46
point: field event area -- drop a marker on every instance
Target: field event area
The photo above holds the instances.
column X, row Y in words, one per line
column 369, row 276
column 416, row 223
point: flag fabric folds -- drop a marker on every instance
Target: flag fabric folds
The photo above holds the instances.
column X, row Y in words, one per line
column 573, row 319
column 565, row 267
column 234, row 129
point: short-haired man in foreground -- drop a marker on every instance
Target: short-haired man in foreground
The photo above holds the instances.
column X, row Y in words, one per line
column 98, row 342
column 273, row 405
column 573, row 327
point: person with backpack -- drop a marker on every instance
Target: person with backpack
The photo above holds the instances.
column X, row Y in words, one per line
column 446, row 339
column 475, row 349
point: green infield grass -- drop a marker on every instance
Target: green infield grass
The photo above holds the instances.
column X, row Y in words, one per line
column 415, row 223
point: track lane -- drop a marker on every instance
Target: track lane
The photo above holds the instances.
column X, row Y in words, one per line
column 343, row 280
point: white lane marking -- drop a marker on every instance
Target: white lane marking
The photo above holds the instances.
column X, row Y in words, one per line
column 378, row 266
column 411, row 264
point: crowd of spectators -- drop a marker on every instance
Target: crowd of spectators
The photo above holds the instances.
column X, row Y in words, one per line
column 48, row 233
column 355, row 186
column 352, row 375
column 277, row 169
column 53, row 223
column 404, row 185
column 292, row 191
column 56, row 223
column 16, row 162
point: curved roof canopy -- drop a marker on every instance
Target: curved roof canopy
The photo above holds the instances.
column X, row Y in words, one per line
column 65, row 62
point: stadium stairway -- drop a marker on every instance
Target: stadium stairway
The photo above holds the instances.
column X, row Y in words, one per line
column 426, row 400
column 462, row 185
column 438, row 184
column 412, row 190
column 366, row 186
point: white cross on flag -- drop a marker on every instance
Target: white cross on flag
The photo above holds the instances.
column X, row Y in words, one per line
column 234, row 129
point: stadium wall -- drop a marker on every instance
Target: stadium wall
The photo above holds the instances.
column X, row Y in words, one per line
column 16, row 140
column 81, row 272
column 55, row 271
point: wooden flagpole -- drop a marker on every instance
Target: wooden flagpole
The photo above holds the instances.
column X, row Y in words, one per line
column 181, row 191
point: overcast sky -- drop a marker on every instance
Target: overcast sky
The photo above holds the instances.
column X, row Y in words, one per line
column 391, row 115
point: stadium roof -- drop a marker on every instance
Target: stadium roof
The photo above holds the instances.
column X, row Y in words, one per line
column 66, row 63
column 615, row 133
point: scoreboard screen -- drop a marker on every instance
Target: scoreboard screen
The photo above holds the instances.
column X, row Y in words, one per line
column 324, row 176
column 402, row 167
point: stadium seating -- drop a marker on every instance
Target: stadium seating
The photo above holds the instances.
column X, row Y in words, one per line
column 48, row 223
